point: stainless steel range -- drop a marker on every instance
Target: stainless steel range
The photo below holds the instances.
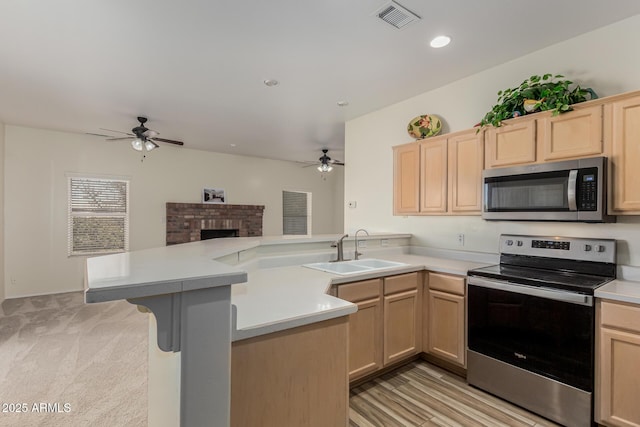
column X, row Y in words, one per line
column 531, row 323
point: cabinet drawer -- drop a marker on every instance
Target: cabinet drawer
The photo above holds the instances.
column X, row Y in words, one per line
column 620, row 315
column 403, row 282
column 359, row 291
column 446, row 283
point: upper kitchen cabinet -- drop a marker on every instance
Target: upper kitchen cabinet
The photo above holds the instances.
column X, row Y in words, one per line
column 406, row 173
column 625, row 155
column 449, row 178
column 466, row 154
column 513, row 143
column 572, row 135
column 433, row 176
column 542, row 137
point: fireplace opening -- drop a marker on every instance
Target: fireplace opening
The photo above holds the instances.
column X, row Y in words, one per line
column 218, row 233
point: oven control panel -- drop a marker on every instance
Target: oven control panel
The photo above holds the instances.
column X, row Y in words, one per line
column 576, row 248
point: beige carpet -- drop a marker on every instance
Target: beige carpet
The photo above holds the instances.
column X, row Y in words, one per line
column 58, row 350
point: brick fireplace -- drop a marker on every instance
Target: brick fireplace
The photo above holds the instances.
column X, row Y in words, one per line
column 186, row 221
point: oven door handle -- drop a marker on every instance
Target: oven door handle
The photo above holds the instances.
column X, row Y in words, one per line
column 563, row 296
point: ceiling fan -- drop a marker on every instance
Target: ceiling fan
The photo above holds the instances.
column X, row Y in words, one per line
column 326, row 163
column 144, row 139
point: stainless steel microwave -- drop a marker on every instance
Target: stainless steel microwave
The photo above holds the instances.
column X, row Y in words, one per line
column 572, row 190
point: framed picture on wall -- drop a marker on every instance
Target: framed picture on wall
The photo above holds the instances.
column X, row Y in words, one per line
column 213, row 195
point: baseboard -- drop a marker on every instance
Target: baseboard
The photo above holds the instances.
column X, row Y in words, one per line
column 43, row 294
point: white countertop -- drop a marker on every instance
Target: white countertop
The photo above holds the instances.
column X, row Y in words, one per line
column 620, row 290
column 266, row 300
column 161, row 270
column 276, row 299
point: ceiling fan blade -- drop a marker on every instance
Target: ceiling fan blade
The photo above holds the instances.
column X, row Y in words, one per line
column 117, row 131
column 98, row 134
column 119, row 139
column 336, row 162
column 170, row 141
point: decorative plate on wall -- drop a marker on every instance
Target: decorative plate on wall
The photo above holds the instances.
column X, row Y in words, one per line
column 424, row 126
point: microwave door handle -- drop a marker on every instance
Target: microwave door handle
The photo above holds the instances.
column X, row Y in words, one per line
column 571, row 189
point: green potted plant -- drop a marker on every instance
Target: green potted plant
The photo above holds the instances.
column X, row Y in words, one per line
column 537, row 93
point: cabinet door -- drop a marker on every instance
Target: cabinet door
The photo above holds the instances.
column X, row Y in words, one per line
column 365, row 326
column 466, row 156
column 574, row 134
column 619, row 378
column 433, row 176
column 625, row 156
column 365, row 339
column 401, row 323
column 511, row 144
column 406, row 175
column 446, row 326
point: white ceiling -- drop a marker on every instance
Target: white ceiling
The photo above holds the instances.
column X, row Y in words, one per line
column 196, row 68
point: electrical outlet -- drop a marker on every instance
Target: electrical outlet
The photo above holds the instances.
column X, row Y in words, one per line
column 460, row 239
column 353, row 204
column 384, row 242
column 362, row 243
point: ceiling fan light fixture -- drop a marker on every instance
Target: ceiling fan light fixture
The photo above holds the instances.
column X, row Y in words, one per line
column 325, row 167
column 137, row 144
column 148, row 145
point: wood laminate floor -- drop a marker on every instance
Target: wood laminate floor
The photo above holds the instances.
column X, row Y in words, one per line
column 421, row 394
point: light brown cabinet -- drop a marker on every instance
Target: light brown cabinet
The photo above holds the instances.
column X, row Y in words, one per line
column 444, row 320
column 406, row 174
column 433, row 176
column 449, row 179
column 513, row 143
column 386, row 327
column 465, row 164
column 365, row 326
column 625, row 156
column 571, row 135
column 544, row 138
column 617, row 361
column 401, row 317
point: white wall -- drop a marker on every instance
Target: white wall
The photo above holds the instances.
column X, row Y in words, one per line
column 35, row 201
column 605, row 60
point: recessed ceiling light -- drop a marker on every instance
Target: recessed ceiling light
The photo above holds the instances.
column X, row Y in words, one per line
column 232, row 145
column 271, row 82
column 342, row 103
column 440, row 41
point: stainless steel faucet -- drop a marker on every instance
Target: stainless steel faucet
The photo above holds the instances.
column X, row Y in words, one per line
column 356, row 253
column 339, row 244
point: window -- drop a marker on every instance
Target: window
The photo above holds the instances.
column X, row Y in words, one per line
column 98, row 215
column 296, row 213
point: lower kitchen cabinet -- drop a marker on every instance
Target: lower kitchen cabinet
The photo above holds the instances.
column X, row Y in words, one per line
column 617, row 361
column 444, row 322
column 365, row 326
column 386, row 327
column 401, row 317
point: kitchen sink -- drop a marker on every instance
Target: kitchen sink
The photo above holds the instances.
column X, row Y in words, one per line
column 354, row 267
column 376, row 263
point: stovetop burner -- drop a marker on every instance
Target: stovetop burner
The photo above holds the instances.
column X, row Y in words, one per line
column 575, row 282
column 567, row 263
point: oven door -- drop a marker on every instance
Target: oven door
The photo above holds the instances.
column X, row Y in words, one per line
column 545, row 331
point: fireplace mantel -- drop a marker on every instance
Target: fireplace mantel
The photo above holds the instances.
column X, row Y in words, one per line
column 186, row 220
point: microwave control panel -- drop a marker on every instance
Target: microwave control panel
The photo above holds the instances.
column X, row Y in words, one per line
column 588, row 189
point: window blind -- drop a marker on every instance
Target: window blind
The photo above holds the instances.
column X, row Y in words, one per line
column 98, row 216
column 296, row 218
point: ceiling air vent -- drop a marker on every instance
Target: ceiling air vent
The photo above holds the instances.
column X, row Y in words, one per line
column 394, row 14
